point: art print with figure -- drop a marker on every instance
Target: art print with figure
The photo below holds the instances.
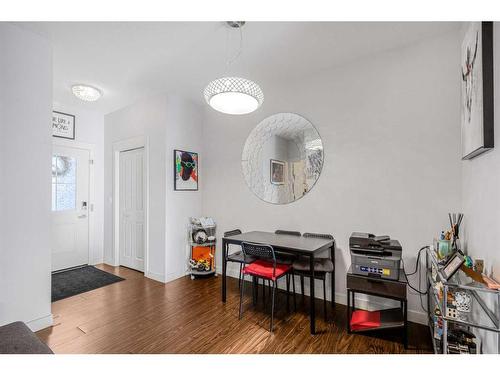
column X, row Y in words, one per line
column 277, row 172
column 185, row 170
column 477, row 89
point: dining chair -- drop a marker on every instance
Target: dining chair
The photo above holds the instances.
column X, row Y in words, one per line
column 288, row 259
column 237, row 256
column 322, row 266
column 288, row 232
column 265, row 267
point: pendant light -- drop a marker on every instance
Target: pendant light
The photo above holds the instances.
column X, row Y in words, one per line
column 234, row 95
column 86, row 93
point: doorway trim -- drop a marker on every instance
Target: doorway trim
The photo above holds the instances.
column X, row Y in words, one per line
column 118, row 147
column 90, row 147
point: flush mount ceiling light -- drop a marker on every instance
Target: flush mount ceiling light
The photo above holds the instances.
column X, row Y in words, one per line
column 86, row 92
column 234, row 95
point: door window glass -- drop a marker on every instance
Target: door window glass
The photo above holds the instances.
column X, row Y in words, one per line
column 63, row 183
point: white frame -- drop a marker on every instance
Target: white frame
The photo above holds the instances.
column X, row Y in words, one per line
column 118, row 147
column 91, row 149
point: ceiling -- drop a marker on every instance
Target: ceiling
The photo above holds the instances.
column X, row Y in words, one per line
column 133, row 60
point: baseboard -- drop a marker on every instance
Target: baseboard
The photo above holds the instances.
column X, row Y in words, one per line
column 98, row 261
column 110, row 262
column 40, row 323
column 174, row 276
column 155, row 276
column 413, row 316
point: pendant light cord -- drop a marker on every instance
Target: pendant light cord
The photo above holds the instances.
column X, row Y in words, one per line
column 230, row 61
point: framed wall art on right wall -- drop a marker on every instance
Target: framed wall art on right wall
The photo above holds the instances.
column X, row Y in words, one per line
column 477, row 90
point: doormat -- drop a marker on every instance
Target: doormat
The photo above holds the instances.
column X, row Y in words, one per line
column 80, row 280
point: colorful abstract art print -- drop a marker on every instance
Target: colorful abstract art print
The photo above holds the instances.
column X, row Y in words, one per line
column 185, row 170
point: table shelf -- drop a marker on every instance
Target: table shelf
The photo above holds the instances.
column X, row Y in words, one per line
column 389, row 318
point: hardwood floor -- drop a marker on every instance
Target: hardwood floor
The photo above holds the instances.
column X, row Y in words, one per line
column 140, row 315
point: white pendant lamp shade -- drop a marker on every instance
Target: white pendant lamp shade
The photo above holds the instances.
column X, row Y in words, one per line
column 234, row 95
column 86, row 93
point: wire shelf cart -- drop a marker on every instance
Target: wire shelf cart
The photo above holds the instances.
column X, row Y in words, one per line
column 462, row 305
column 202, row 244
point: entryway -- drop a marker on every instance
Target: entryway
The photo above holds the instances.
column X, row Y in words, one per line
column 70, row 206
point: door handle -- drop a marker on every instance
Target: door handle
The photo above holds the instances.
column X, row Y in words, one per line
column 82, row 216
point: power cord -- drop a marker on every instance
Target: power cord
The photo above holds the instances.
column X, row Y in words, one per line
column 417, row 268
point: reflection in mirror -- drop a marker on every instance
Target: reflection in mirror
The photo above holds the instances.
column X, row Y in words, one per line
column 282, row 158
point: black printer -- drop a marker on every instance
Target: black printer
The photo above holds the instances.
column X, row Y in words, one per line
column 375, row 256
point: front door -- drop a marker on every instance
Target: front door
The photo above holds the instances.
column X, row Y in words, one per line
column 70, row 204
column 131, row 192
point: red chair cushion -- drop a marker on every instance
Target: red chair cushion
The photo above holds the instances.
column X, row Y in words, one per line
column 262, row 268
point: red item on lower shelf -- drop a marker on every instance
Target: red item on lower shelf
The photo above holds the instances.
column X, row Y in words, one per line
column 362, row 319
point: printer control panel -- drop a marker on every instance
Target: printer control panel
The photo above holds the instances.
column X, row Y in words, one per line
column 375, row 270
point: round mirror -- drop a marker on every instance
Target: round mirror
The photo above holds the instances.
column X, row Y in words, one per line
column 282, row 158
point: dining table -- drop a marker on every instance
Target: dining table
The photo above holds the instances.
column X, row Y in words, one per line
column 309, row 247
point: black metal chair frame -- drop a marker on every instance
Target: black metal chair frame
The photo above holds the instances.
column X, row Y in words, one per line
column 319, row 275
column 230, row 233
column 288, row 232
column 262, row 252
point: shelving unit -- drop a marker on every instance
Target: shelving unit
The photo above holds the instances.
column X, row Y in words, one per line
column 481, row 317
column 210, row 245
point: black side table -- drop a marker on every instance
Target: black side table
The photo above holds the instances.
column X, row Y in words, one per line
column 391, row 289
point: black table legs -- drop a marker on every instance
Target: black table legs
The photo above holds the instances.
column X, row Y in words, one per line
column 311, row 296
column 224, row 265
column 405, row 317
column 348, row 311
column 332, row 257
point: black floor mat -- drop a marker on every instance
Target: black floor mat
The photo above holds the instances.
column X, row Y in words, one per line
column 80, row 280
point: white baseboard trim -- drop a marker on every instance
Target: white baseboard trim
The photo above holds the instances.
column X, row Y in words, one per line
column 155, row 276
column 413, row 316
column 110, row 262
column 40, row 323
column 98, row 261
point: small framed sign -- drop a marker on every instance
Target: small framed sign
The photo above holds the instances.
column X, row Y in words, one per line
column 453, row 265
column 277, row 168
column 63, row 125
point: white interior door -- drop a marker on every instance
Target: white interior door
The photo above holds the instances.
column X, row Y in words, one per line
column 132, row 195
column 70, row 203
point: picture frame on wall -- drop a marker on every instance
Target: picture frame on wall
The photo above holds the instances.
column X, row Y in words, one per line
column 477, row 90
column 185, row 170
column 277, row 172
column 63, row 125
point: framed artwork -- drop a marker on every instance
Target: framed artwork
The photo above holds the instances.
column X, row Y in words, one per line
column 477, row 90
column 63, row 125
column 185, row 170
column 277, row 172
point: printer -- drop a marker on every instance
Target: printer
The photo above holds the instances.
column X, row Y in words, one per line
column 375, row 256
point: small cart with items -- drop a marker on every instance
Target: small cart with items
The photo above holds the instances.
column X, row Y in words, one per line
column 202, row 243
column 461, row 309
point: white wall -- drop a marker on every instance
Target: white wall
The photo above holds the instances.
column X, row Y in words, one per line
column 146, row 118
column 481, row 189
column 167, row 122
column 25, row 186
column 390, row 126
column 184, row 132
column 481, row 197
column 89, row 127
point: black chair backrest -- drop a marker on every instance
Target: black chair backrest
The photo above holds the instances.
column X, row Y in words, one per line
column 289, row 232
column 259, row 251
column 233, row 232
column 319, row 235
